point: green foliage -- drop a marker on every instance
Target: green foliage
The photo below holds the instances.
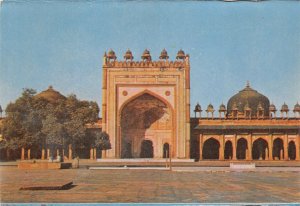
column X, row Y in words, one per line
column 35, row 122
column 102, row 141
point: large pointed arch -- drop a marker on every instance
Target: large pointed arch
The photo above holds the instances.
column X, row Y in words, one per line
column 146, row 91
column 150, row 113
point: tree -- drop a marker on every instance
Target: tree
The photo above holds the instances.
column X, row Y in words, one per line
column 102, row 141
column 19, row 128
column 38, row 123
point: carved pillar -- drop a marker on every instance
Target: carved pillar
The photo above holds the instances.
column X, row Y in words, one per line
column 297, row 143
column 285, row 148
column 221, row 150
column 91, row 153
column 43, row 154
column 234, row 148
column 103, row 154
column 250, row 147
column 23, row 154
column 200, row 146
column 95, row 153
column 271, row 147
column 70, row 152
column 28, row 153
column 266, row 154
column 48, row 153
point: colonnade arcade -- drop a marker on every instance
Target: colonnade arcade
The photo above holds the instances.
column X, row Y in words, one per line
column 248, row 147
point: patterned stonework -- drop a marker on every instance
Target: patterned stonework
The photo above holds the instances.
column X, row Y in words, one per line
column 145, row 105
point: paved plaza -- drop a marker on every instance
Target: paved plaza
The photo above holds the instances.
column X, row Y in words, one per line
column 154, row 186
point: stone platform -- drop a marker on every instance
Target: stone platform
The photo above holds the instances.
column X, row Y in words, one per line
column 182, row 163
column 43, row 165
column 143, row 160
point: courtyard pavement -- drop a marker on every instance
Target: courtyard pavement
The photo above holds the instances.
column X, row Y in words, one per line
column 183, row 185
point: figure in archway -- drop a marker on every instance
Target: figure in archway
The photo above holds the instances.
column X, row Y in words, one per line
column 228, row 150
column 277, row 149
column 259, row 149
column 211, row 149
column 241, row 149
column 292, row 150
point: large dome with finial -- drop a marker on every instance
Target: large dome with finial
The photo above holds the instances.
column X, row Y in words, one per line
column 51, row 95
column 251, row 98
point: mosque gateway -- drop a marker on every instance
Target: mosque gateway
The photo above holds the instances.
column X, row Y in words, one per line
column 146, row 112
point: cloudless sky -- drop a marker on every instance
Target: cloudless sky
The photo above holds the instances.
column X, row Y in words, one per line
column 61, row 43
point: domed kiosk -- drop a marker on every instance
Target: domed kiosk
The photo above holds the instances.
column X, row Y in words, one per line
column 248, row 102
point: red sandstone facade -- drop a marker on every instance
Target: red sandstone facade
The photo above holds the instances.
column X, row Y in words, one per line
column 247, row 129
column 146, row 112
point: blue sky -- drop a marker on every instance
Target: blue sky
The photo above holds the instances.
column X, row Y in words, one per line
column 61, row 43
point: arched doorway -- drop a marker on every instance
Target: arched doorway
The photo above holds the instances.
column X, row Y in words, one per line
column 146, row 117
column 146, row 149
column 241, row 149
column 278, row 149
column 127, row 151
column 166, row 150
column 228, row 150
column 292, row 150
column 211, row 149
column 260, row 149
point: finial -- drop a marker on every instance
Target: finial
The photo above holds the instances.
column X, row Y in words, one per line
column 248, row 84
column 50, row 87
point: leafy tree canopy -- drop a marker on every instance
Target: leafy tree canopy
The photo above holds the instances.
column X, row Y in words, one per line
column 36, row 122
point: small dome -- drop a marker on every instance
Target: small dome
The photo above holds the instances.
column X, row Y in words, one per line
column 180, row 54
column 111, row 55
column 197, row 108
column 284, row 108
column 146, row 55
column 297, row 107
column 210, row 108
column 51, row 95
column 164, row 54
column 222, row 107
column 272, row 108
column 128, row 55
column 252, row 98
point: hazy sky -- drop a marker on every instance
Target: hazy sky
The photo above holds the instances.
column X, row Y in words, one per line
column 61, row 43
